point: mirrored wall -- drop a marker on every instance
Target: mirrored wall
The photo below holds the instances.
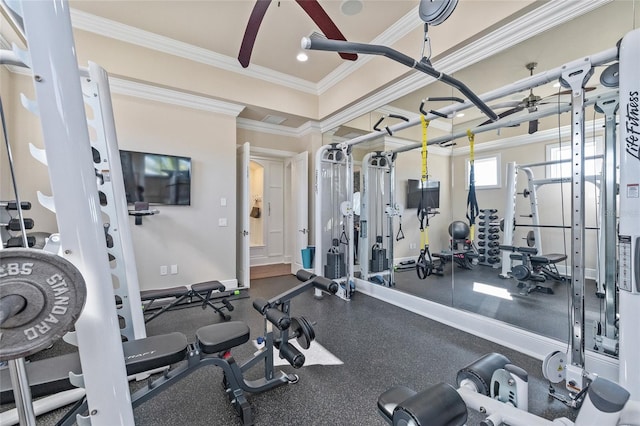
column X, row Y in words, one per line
column 483, row 281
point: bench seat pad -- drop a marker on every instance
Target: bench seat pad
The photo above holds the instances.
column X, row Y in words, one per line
column 163, row 292
column 223, row 336
column 208, row 286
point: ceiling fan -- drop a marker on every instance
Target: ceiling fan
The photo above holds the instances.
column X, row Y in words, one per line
column 530, row 103
column 311, row 7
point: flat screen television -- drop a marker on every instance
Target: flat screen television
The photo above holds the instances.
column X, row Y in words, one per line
column 431, row 193
column 156, row 178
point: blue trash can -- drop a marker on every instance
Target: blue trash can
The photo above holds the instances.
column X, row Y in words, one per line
column 306, row 258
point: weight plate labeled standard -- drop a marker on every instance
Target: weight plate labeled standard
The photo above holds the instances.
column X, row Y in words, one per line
column 53, row 293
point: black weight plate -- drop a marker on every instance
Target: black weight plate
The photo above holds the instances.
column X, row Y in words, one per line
column 55, row 293
column 303, row 330
column 531, row 239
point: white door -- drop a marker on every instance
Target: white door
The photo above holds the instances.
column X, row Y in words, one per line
column 300, row 199
column 274, row 197
column 242, row 216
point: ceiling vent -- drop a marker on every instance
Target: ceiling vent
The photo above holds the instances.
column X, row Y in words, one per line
column 273, row 119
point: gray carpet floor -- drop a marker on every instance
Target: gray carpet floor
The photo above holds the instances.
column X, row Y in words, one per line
column 381, row 346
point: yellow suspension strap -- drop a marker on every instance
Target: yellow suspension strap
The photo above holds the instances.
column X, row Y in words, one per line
column 472, row 201
column 424, row 265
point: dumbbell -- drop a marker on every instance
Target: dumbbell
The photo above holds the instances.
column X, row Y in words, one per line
column 481, row 243
column 493, row 244
column 481, row 229
column 15, row 225
column 481, row 258
column 494, row 230
column 481, row 216
column 13, row 205
column 493, row 260
column 493, row 237
column 481, row 223
column 17, row 241
column 493, row 217
column 481, row 250
column 481, row 236
column 493, row 252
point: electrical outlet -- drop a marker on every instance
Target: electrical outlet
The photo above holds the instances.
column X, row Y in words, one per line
column 163, row 270
column 174, row 269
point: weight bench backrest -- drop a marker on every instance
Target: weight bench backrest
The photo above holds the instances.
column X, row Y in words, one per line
column 154, row 352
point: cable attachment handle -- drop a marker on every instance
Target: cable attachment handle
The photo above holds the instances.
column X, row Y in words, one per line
column 377, row 128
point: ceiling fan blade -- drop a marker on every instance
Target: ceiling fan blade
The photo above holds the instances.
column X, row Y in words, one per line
column 326, row 25
column 507, row 104
column 504, row 114
column 533, row 126
column 568, row 91
column 251, row 32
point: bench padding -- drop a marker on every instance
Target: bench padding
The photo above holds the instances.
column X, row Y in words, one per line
column 163, row 292
column 153, row 352
column 221, row 337
column 208, row 286
column 390, row 399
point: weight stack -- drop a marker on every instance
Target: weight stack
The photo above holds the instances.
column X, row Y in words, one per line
column 379, row 261
column 335, row 267
column 490, row 222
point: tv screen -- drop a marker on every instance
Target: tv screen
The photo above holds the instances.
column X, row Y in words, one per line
column 431, row 194
column 156, row 178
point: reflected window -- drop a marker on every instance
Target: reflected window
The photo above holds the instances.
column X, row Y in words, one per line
column 486, row 171
column 556, row 152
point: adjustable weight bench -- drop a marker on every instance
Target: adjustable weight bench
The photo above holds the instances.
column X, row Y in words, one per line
column 534, row 268
column 183, row 295
column 213, row 346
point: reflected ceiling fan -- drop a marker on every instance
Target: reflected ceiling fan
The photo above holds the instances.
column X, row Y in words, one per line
column 311, row 7
column 530, row 103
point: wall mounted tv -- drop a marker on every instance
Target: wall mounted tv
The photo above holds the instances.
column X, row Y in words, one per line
column 431, row 193
column 156, row 178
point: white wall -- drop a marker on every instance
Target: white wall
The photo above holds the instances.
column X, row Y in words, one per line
column 187, row 236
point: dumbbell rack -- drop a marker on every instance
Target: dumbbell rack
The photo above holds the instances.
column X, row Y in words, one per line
column 488, row 238
column 11, row 223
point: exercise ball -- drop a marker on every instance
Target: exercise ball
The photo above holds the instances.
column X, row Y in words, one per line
column 458, row 230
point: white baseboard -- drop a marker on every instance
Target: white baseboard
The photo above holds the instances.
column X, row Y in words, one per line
column 487, row 328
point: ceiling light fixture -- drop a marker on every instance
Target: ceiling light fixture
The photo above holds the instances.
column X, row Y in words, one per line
column 351, row 7
column 460, row 114
column 556, row 85
column 302, row 57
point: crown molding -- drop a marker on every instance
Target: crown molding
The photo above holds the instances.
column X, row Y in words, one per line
column 390, row 36
column 522, row 140
column 274, row 129
column 132, row 35
column 548, row 15
column 392, row 143
column 173, row 97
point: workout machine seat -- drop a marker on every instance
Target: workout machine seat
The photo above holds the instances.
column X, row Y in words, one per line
column 222, row 337
column 184, row 296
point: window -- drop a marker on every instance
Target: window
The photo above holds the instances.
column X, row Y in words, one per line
column 592, row 167
column 486, row 172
